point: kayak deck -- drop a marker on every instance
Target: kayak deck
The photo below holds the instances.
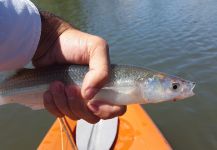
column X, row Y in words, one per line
column 136, row 131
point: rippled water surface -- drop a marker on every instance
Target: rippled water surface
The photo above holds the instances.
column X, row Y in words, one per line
column 178, row 37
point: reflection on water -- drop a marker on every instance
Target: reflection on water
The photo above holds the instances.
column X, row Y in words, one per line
column 177, row 37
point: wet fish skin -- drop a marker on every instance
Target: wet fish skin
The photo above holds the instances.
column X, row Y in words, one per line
column 126, row 85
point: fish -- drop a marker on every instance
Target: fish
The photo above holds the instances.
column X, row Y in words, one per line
column 126, row 85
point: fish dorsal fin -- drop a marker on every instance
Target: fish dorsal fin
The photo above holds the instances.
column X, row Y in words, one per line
column 21, row 72
column 17, row 74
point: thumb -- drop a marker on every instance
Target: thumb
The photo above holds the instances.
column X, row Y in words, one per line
column 98, row 71
column 92, row 83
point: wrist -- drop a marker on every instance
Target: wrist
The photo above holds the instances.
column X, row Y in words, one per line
column 51, row 28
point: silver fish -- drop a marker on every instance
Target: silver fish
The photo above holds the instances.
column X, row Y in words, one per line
column 127, row 85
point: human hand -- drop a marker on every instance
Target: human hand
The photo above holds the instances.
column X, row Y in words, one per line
column 75, row 47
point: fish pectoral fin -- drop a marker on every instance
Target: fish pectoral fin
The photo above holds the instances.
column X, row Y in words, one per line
column 33, row 106
column 13, row 100
column 4, row 100
column 31, row 100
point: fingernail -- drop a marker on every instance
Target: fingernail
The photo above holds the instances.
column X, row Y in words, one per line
column 90, row 93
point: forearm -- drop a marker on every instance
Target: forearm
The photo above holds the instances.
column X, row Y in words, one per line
column 51, row 28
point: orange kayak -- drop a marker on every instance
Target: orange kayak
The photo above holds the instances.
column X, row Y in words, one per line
column 136, row 131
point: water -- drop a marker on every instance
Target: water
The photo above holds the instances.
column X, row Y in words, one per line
column 177, row 37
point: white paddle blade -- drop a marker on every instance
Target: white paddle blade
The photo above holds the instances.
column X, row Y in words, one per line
column 99, row 136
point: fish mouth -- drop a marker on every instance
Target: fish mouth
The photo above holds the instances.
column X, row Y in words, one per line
column 193, row 84
column 187, row 92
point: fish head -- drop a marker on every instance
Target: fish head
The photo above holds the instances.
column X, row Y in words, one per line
column 162, row 87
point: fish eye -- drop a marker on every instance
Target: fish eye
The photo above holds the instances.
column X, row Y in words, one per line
column 175, row 86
